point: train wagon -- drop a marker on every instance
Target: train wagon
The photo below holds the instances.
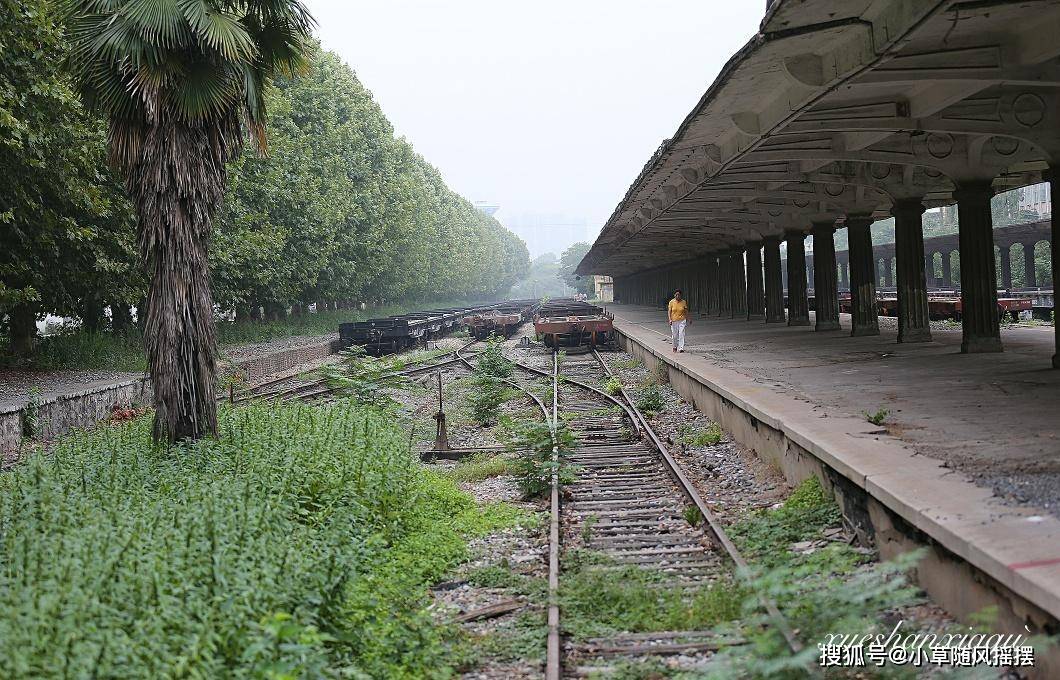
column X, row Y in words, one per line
column 593, row 327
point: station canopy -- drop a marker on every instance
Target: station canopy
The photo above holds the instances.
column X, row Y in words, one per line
column 842, row 107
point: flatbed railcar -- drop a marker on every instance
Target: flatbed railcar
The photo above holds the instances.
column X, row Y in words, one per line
column 402, row 331
column 573, row 323
column 501, row 320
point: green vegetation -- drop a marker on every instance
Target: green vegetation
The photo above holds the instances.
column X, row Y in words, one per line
column 298, row 543
column 692, row 515
column 708, row 437
column 480, row 466
column 568, row 262
column 826, row 588
column 600, row 601
column 534, row 466
column 489, row 390
column 876, row 418
column 613, row 386
column 650, row 401
column 627, row 364
column 340, row 210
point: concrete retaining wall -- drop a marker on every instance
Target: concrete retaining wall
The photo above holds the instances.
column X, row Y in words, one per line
column 59, row 415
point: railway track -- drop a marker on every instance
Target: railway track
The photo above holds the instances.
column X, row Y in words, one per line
column 308, row 386
column 632, row 504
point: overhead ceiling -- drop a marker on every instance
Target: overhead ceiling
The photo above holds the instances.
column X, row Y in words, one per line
column 840, row 107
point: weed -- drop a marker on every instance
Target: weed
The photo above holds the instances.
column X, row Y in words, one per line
column 587, row 527
column 523, row 638
column 480, row 466
column 613, row 386
column 650, row 401
column 534, row 466
column 692, row 515
column 31, row 414
column 627, row 364
column 366, row 379
column 599, row 602
column 300, row 538
column 708, row 437
column 876, row 418
column 492, row 362
column 486, row 397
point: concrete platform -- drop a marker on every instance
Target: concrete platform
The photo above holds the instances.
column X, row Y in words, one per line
column 969, row 453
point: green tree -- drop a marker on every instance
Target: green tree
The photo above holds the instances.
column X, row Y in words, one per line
column 568, row 262
column 65, row 229
column 180, row 84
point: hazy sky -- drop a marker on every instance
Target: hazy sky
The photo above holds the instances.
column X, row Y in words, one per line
column 545, row 106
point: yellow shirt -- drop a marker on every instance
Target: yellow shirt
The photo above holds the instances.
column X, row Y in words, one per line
column 678, row 310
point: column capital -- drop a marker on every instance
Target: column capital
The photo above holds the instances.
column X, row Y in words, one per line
column 794, row 233
column 772, row 238
column 974, row 189
column 908, row 206
column 858, row 219
column 820, row 227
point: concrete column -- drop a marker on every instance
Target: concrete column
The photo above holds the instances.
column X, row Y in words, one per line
column 929, row 269
column 1053, row 177
column 798, row 305
column 825, row 281
column 755, row 295
column 724, row 285
column 913, row 323
column 710, row 293
column 979, row 317
column 1006, row 266
column 774, row 281
column 888, row 273
column 1030, row 277
column 947, row 270
column 739, row 286
column 863, row 311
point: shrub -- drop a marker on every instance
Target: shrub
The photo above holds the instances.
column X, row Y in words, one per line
column 298, row 543
column 613, row 386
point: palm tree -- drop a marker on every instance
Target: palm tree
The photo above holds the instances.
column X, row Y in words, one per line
column 181, row 82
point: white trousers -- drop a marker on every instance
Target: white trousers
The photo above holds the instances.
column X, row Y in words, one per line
column 677, row 331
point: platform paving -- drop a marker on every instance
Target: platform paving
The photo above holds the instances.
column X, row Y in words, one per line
column 970, row 449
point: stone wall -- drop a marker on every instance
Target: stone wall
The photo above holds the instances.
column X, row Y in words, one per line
column 59, row 415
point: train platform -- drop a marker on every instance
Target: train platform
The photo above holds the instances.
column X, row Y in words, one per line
column 968, row 451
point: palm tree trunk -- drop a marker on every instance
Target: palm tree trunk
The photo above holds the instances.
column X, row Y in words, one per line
column 176, row 184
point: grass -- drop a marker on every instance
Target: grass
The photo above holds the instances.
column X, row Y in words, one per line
column 480, row 466
column 708, row 437
column 599, row 602
column 300, row 542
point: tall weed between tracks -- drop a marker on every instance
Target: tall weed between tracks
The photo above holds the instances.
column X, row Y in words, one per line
column 299, row 543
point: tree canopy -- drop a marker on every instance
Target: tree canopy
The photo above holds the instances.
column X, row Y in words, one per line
column 339, row 210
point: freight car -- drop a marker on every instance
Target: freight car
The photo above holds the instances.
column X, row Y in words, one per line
column 401, row 331
column 572, row 323
column 501, row 320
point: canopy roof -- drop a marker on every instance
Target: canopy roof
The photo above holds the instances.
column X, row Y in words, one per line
column 840, row 107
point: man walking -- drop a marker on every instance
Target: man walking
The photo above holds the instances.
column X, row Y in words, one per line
column 677, row 311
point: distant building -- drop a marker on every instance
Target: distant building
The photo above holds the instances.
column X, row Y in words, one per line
column 1035, row 198
column 486, row 207
column 604, row 287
